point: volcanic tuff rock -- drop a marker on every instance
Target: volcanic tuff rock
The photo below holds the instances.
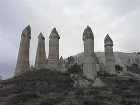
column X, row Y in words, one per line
column 122, row 59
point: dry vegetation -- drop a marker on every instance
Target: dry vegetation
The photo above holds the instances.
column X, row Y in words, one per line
column 46, row 87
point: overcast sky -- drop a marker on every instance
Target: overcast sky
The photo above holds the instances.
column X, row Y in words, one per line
column 118, row 18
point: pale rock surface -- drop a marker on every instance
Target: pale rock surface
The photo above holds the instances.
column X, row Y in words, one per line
column 40, row 61
column 62, row 67
column 53, row 57
column 121, row 58
column 98, row 83
column 89, row 65
column 98, row 65
column 23, row 65
column 109, row 55
column 80, row 82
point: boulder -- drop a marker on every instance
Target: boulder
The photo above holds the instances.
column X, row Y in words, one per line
column 98, row 83
column 80, row 82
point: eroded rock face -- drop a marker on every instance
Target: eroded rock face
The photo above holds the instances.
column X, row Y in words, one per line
column 40, row 62
column 89, row 66
column 109, row 55
column 53, row 57
column 80, row 82
column 122, row 59
column 84, row 83
column 98, row 83
column 23, row 65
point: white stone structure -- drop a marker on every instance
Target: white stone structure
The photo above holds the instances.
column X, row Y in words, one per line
column 40, row 61
column 89, row 67
column 23, row 64
column 109, row 55
column 53, row 57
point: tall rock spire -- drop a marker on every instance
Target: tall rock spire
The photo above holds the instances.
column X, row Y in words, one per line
column 109, row 55
column 40, row 61
column 53, row 58
column 89, row 67
column 23, row 65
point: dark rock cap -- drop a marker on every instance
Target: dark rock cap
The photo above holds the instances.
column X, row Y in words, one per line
column 41, row 36
column 54, row 34
column 27, row 32
column 108, row 41
column 61, row 57
column 88, row 34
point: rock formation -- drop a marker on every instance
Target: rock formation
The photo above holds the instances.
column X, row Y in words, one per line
column 98, row 83
column 62, row 67
column 89, row 67
column 109, row 55
column 98, row 65
column 122, row 59
column 40, row 62
column 80, row 82
column 137, row 59
column 53, row 58
column 23, row 65
column 61, row 61
column 91, row 62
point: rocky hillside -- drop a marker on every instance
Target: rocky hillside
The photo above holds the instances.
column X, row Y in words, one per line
column 32, row 85
column 46, row 87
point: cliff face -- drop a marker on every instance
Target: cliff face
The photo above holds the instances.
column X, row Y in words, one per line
column 122, row 59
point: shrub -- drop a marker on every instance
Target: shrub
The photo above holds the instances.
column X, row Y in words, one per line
column 75, row 69
column 118, row 68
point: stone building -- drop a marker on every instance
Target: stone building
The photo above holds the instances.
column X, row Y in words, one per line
column 23, row 64
column 40, row 61
column 53, row 57
column 89, row 67
column 109, row 55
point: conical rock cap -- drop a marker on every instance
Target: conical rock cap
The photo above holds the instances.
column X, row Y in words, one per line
column 54, row 34
column 27, row 32
column 88, row 34
column 108, row 41
column 41, row 36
